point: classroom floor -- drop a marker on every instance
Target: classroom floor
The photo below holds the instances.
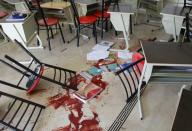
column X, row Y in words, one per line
column 159, row 101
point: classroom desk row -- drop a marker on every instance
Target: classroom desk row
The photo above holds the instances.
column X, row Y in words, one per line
column 166, row 62
column 122, row 11
column 172, row 19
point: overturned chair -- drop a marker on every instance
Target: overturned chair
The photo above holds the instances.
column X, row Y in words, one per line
column 35, row 74
column 19, row 114
column 129, row 77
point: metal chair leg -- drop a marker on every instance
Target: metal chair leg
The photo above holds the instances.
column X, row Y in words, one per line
column 48, row 38
column 95, row 32
column 70, row 29
column 116, row 33
column 78, row 35
column 98, row 21
column 101, row 28
column 106, row 24
column 51, row 33
column 61, row 33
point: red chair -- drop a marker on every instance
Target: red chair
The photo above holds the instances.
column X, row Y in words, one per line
column 47, row 23
column 3, row 14
column 83, row 22
column 103, row 16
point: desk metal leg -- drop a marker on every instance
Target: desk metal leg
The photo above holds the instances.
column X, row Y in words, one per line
column 4, row 36
column 130, row 24
column 40, row 46
column 126, row 35
column 73, row 38
column 139, row 91
column 25, row 43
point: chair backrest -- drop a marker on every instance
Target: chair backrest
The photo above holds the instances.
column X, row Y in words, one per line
column 75, row 13
column 60, row 75
column 188, row 27
column 31, row 4
column 15, row 115
column 40, row 13
column 129, row 77
column 188, row 3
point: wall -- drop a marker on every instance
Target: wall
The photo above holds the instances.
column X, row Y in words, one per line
column 134, row 2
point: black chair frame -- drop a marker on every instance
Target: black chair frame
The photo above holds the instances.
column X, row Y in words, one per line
column 188, row 26
column 9, row 118
column 59, row 72
column 102, row 19
column 187, row 4
column 49, row 29
column 80, row 26
column 129, row 76
column 130, row 86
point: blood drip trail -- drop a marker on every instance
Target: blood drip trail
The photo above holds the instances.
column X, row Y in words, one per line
column 74, row 105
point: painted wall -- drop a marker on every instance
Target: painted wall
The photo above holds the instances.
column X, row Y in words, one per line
column 134, row 2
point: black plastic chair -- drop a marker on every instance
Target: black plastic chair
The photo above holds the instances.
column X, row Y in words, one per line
column 129, row 77
column 82, row 22
column 21, row 114
column 188, row 25
column 60, row 75
column 103, row 16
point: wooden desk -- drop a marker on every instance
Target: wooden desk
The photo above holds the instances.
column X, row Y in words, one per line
column 183, row 116
column 87, row 6
column 19, row 5
column 172, row 20
column 64, row 7
column 23, row 31
column 164, row 54
column 56, row 5
column 13, row 2
column 120, row 16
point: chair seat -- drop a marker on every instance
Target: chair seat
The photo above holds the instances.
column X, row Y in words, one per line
column 87, row 19
column 3, row 14
column 49, row 21
column 99, row 14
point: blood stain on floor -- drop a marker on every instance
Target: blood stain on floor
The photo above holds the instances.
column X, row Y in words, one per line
column 75, row 106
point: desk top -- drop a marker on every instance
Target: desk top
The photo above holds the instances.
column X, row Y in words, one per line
column 183, row 116
column 12, row 2
column 167, row 53
column 172, row 9
column 122, row 8
column 55, row 5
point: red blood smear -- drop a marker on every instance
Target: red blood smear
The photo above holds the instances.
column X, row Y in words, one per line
column 64, row 100
column 75, row 120
column 66, row 128
column 90, row 125
column 104, row 62
column 75, row 106
column 97, row 80
column 74, row 81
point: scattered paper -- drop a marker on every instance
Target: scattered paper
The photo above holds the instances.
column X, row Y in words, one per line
column 103, row 45
column 100, row 47
column 124, row 55
column 97, row 55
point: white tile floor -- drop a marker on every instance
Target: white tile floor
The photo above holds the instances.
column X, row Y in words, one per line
column 159, row 101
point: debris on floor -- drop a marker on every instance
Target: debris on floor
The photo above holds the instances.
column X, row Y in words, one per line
column 77, row 123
